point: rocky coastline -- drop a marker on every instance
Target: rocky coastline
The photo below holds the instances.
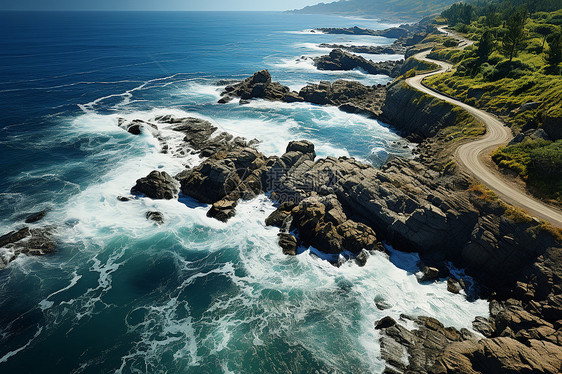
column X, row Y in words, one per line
column 349, row 209
column 346, row 208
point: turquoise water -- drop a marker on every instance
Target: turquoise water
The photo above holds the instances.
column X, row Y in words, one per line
column 122, row 295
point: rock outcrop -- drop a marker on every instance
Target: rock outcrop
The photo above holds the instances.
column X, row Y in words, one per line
column 340, row 60
column 415, row 114
column 32, row 242
column 394, row 32
column 349, row 96
column 157, row 185
column 258, row 85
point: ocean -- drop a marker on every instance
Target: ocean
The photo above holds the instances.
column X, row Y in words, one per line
column 122, row 295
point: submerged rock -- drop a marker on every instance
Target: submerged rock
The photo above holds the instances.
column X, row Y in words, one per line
column 157, row 185
column 35, row 217
column 156, row 217
column 33, row 242
column 136, row 126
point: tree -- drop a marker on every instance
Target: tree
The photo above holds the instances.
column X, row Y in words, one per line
column 492, row 18
column 554, row 55
column 514, row 33
column 459, row 13
column 544, row 30
column 485, row 45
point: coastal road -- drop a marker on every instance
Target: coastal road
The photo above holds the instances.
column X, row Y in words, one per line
column 471, row 156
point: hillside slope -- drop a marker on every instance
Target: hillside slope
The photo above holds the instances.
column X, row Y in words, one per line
column 396, row 10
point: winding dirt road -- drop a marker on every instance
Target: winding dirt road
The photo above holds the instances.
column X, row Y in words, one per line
column 471, row 155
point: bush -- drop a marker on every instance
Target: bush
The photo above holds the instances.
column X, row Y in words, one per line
column 450, row 43
column 410, row 73
column 547, row 160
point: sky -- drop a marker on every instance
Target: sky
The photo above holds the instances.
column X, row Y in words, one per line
column 155, row 4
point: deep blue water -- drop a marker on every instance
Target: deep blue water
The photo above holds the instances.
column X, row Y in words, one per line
column 194, row 295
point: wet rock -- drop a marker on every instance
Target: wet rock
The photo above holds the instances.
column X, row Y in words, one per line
column 358, row 236
column 36, row 217
column 156, row 217
column 429, row 274
column 208, row 181
column 483, row 326
column 14, row 236
column 349, row 96
column 288, row 243
column 258, row 85
column 280, row 216
column 41, row 242
column 361, row 258
column 385, row 323
column 393, row 32
column 393, row 49
column 382, row 304
column 453, row 285
column 157, row 185
column 223, row 210
column 136, row 126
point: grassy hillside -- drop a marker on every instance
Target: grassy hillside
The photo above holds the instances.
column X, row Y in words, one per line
column 400, row 10
column 513, row 71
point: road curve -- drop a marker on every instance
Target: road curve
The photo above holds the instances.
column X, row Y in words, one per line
column 470, row 155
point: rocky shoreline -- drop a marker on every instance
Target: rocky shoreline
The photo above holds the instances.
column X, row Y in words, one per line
column 347, row 208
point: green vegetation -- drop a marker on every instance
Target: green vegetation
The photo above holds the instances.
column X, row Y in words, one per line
column 536, row 160
column 513, row 71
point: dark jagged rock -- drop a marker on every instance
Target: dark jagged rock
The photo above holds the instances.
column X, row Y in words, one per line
column 14, row 236
column 349, row 96
column 340, row 60
column 156, row 217
column 288, row 243
column 429, row 274
column 322, row 223
column 223, row 210
column 123, row 198
column 157, row 185
column 422, row 346
column 136, row 126
column 279, row 218
column 32, row 242
column 385, row 323
column 361, row 258
column 258, row 85
column 35, row 217
column 453, row 285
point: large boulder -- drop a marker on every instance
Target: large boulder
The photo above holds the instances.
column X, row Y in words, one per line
column 157, row 185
